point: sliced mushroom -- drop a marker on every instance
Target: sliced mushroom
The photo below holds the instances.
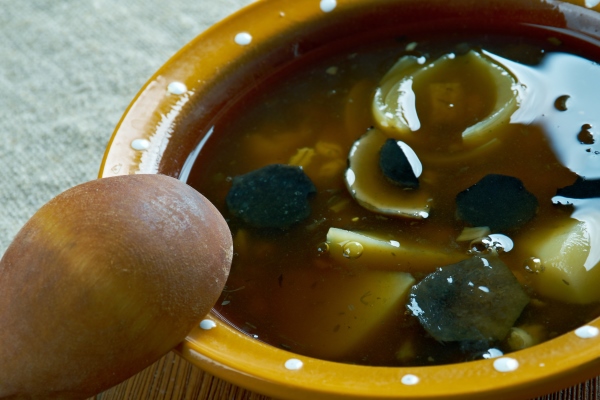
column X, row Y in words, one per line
column 370, row 187
column 394, row 101
column 442, row 102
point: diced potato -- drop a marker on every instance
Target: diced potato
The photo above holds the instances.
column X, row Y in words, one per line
column 407, row 352
column 302, row 158
column 565, row 273
column 525, row 336
column 471, row 233
column 337, row 203
column 328, row 149
column 331, row 169
column 264, row 149
column 369, row 251
column 337, row 325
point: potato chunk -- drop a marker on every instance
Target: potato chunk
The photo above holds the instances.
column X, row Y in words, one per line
column 565, row 273
column 334, row 326
column 367, row 250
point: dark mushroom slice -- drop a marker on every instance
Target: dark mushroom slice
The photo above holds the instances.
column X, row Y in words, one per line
column 369, row 186
column 275, row 196
column 475, row 300
column 581, row 189
column 499, row 202
column 399, row 164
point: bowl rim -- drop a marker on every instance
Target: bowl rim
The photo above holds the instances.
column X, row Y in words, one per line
column 137, row 146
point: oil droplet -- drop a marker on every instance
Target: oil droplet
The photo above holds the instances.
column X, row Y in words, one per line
column 410, row 379
column 328, row 5
column 323, row 248
column 505, row 364
column 533, row 265
column 140, row 144
column 207, row 324
column 293, row 364
column 243, row 38
column 585, row 136
column 352, row 249
column 561, row 102
column 177, row 88
column 587, row 332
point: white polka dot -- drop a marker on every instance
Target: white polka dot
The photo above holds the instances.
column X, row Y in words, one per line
column 591, row 3
column 328, row 5
column 177, row 88
column 410, row 379
column 140, row 144
column 243, row 38
column 505, row 364
column 587, row 331
column 208, row 324
column 293, row 364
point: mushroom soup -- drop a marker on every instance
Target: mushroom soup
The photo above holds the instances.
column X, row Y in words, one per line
column 414, row 200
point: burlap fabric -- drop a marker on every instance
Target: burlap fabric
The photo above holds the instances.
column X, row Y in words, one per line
column 68, row 69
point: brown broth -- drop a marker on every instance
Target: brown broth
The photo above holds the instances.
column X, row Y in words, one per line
column 323, row 103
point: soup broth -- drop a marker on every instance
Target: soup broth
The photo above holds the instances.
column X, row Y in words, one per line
column 288, row 287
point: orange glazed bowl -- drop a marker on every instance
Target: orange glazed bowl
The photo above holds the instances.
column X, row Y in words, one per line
column 170, row 121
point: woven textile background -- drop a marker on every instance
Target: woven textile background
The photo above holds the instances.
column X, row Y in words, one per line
column 68, row 70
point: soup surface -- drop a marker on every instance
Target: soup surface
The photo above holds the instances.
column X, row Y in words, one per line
column 330, row 286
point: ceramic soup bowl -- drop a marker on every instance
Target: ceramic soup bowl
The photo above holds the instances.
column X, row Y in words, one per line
column 172, row 118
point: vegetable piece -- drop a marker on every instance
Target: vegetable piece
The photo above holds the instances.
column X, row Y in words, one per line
column 499, row 202
column 473, row 233
column 395, row 101
column 275, row 196
column 303, row 157
column 569, row 271
column 371, row 251
column 368, row 185
column 525, row 336
column 105, row 279
column 400, row 164
column 335, row 326
column 478, row 299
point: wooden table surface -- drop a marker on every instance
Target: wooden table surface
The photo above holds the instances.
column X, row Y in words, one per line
column 173, row 378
